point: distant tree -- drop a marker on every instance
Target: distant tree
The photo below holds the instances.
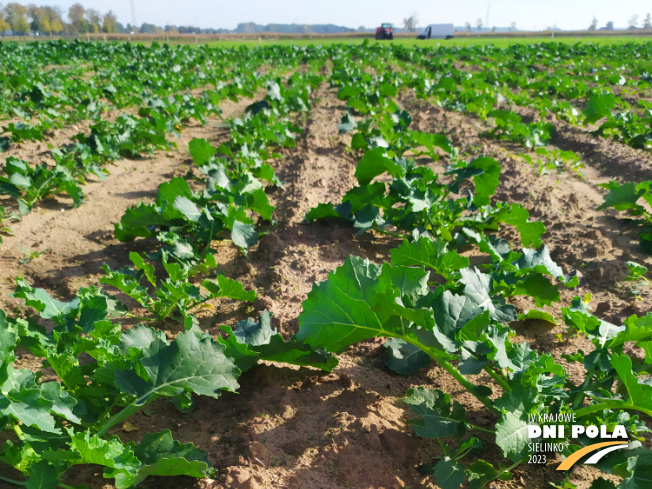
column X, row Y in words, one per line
column 53, row 14
column 16, row 18
column 40, row 22
column 187, row 29
column 609, row 25
column 411, row 22
column 148, row 28
column 110, row 23
column 77, row 16
column 512, row 26
column 94, row 19
column 408, row 24
column 4, row 25
column 493, row 29
column 594, row 24
column 633, row 20
column 647, row 22
column 467, row 26
column 479, row 24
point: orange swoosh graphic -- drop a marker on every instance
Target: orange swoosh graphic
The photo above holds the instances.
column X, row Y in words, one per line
column 570, row 461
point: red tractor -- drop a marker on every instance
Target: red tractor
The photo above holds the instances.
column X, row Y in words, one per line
column 385, row 31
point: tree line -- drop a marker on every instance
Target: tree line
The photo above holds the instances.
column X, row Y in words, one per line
column 21, row 20
column 48, row 20
column 632, row 23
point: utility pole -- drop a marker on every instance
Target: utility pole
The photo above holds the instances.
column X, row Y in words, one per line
column 486, row 22
column 133, row 14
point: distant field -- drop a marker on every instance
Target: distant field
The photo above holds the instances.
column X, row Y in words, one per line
column 462, row 40
column 465, row 41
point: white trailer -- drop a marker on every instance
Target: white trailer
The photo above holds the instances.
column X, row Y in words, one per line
column 437, row 31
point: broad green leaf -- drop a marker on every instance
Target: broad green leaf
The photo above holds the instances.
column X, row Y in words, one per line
column 599, row 106
column 255, row 333
column 449, row 474
column 188, row 208
column 243, row 235
column 452, row 312
column 63, row 402
column 521, row 399
column 432, row 254
column 486, row 173
column 228, row 287
column 438, row 418
column 517, row 216
column 140, row 338
column 411, row 282
column 257, row 201
column 201, row 151
column 39, row 299
column 42, row 476
column 136, row 221
column 601, row 483
column 374, row 163
column 641, row 475
column 338, row 312
column 534, row 285
column 640, row 394
column 636, row 271
column 161, row 455
column 404, row 358
column 169, row 191
column 348, row 124
column 599, row 331
column 622, row 196
column 8, row 340
column 24, row 401
column 147, row 268
column 477, row 287
column 119, row 459
column 512, row 435
column 322, row 211
column 188, row 364
column 479, row 473
column 539, row 261
column 268, row 344
column 535, row 314
column 637, row 330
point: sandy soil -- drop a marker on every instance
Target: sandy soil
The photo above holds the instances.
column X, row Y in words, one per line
column 301, row 428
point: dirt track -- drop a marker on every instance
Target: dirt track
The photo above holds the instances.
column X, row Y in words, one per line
column 300, row 428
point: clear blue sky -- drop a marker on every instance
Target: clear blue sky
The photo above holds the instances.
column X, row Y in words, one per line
column 528, row 14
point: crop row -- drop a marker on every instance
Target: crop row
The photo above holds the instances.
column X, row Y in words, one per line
column 128, row 136
column 461, row 321
column 59, row 424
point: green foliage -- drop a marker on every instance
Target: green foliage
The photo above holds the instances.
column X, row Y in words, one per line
column 404, row 358
column 66, row 423
column 174, row 294
column 462, row 325
column 508, row 125
column 599, row 106
column 625, row 197
column 106, row 375
column 427, row 301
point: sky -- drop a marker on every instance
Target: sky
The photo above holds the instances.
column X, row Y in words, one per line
column 528, row 14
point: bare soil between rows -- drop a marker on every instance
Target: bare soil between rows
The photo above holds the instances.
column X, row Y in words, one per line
column 302, row 428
